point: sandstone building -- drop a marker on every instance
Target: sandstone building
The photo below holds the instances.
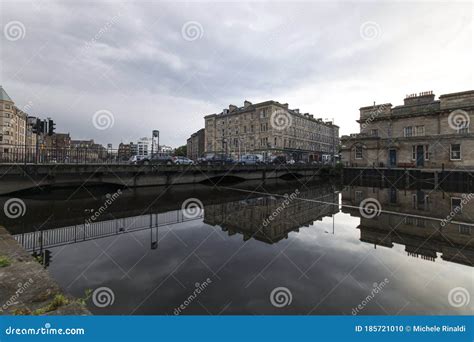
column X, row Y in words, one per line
column 13, row 125
column 270, row 128
column 423, row 132
column 195, row 145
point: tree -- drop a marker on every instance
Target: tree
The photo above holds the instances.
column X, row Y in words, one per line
column 181, row 151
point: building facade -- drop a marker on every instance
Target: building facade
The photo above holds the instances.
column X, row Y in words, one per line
column 195, row 145
column 423, row 132
column 13, row 125
column 269, row 128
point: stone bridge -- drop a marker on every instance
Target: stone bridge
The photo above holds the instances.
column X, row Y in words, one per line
column 17, row 177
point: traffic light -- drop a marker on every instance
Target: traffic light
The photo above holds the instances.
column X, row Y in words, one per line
column 51, row 127
column 48, row 258
column 42, row 127
column 36, row 127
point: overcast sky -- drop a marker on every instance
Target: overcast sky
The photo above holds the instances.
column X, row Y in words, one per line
column 164, row 65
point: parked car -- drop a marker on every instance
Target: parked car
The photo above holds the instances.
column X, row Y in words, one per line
column 157, row 160
column 179, row 160
column 217, row 159
column 250, row 159
column 279, row 160
column 135, row 159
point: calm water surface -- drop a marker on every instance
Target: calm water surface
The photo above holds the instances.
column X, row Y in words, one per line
column 251, row 239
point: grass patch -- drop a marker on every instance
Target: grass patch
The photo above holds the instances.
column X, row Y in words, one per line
column 58, row 301
column 4, row 261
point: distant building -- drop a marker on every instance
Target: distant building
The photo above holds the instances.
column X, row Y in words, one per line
column 12, row 124
column 142, row 147
column 270, row 128
column 125, row 151
column 423, row 133
column 166, row 149
column 195, row 144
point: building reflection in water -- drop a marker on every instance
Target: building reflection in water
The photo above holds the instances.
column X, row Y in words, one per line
column 412, row 218
column 250, row 217
column 418, row 220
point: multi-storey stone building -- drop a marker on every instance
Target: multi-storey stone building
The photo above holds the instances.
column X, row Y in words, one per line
column 195, row 145
column 423, row 132
column 270, row 128
column 13, row 124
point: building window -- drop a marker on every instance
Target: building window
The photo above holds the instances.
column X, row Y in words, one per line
column 420, row 130
column 358, row 152
column 455, row 152
column 408, row 131
column 456, row 205
column 358, row 195
column 427, row 152
column 374, row 132
column 464, row 229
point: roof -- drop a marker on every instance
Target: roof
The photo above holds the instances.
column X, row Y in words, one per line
column 4, row 96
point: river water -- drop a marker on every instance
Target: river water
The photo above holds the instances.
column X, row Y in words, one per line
column 275, row 248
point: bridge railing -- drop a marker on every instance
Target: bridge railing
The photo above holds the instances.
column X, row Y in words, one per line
column 21, row 154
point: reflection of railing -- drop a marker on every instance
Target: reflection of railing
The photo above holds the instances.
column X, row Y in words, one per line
column 41, row 239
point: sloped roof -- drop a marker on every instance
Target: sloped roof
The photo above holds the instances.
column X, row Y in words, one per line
column 4, row 96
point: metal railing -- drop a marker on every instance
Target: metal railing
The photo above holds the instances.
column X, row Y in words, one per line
column 21, row 154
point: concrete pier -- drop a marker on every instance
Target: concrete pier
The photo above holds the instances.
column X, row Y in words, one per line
column 26, row 288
